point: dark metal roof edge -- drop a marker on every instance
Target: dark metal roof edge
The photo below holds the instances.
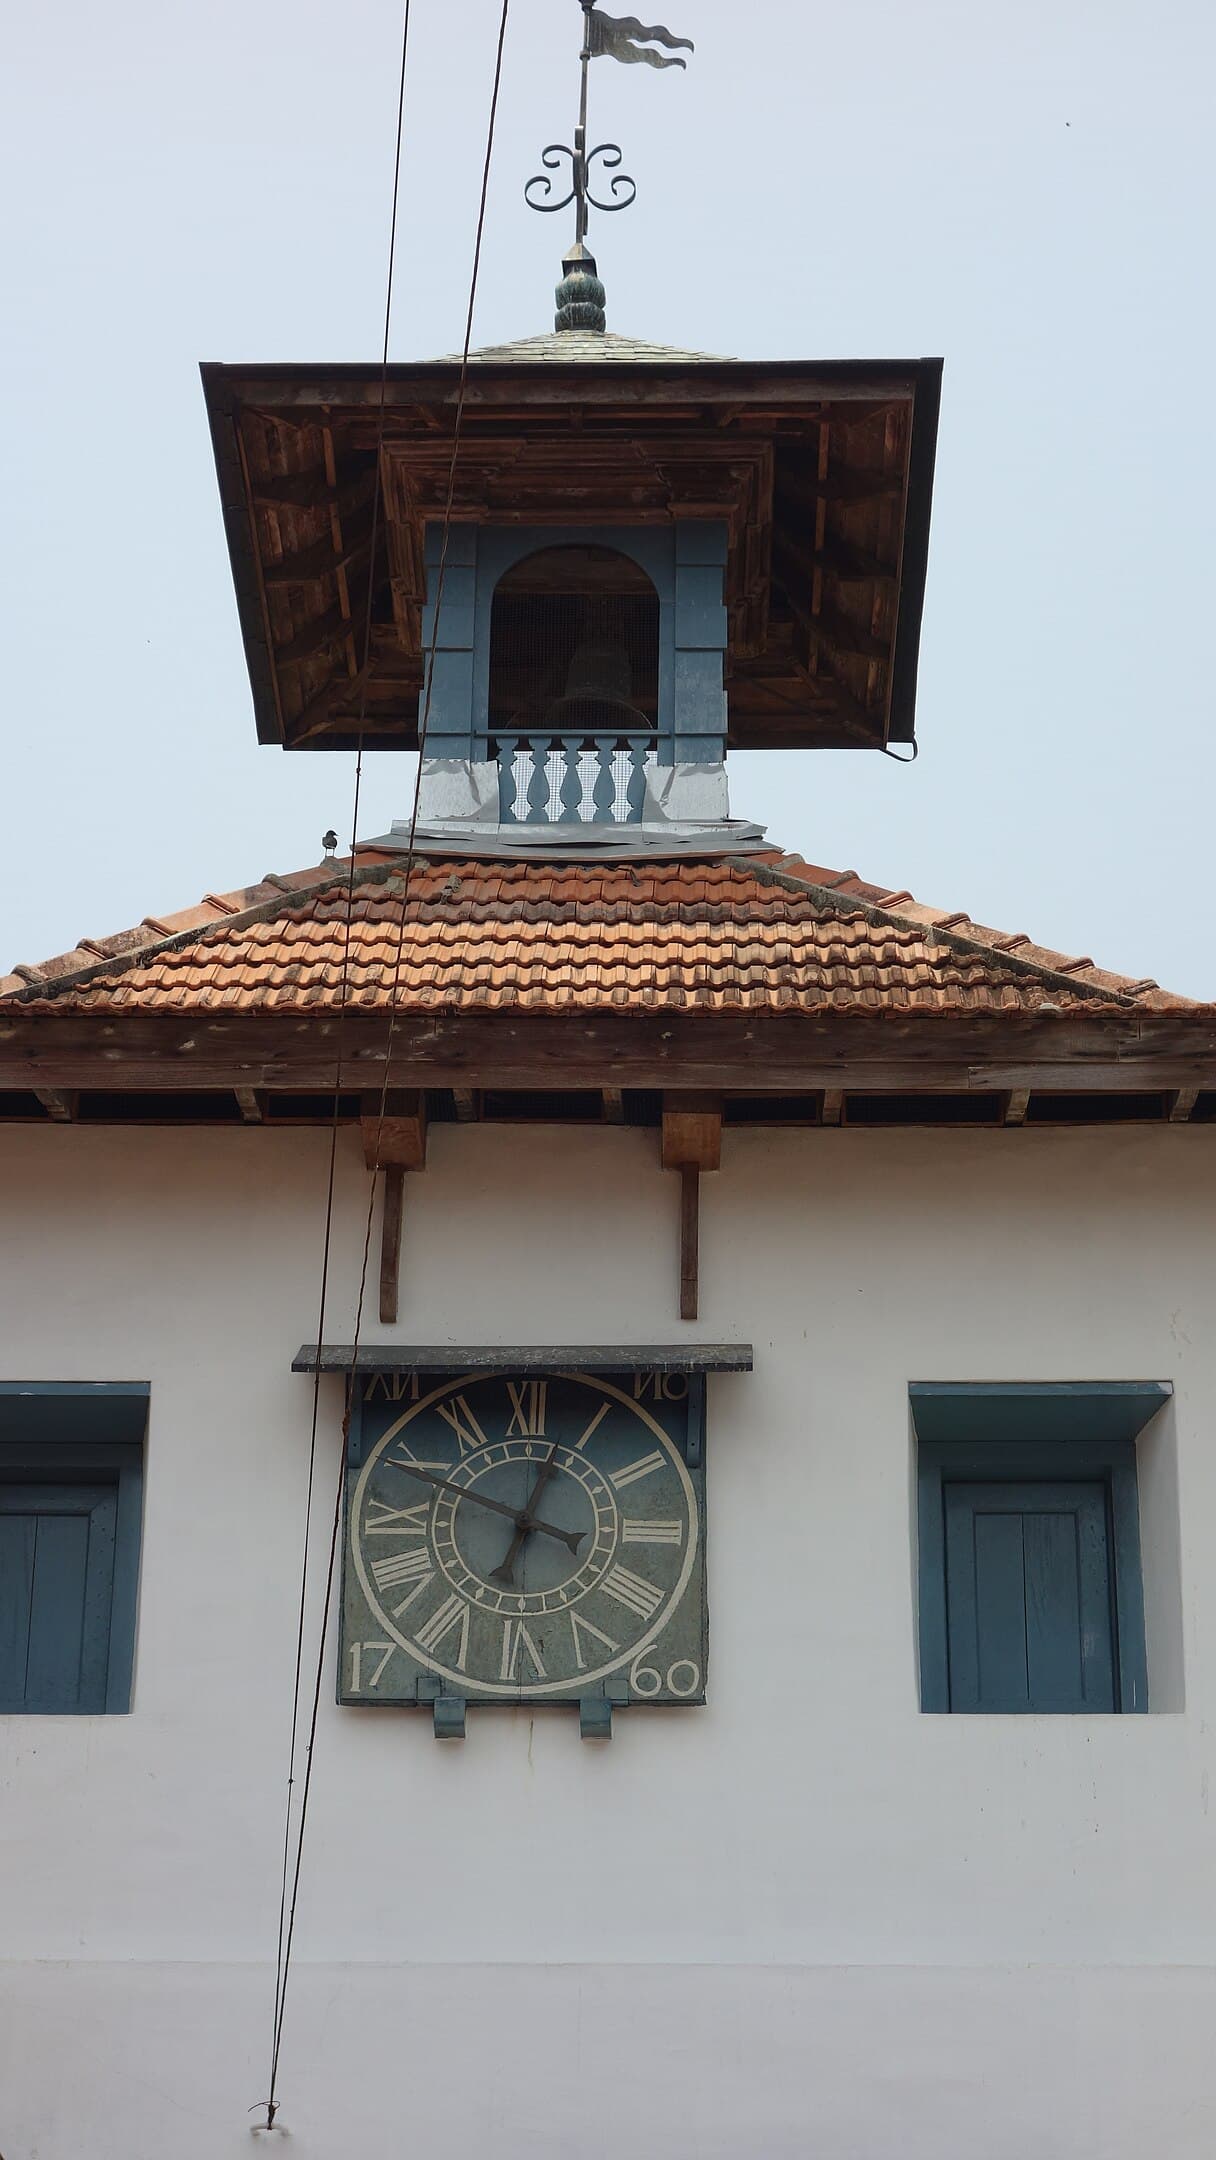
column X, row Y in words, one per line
column 234, row 506
column 517, row 1358
column 327, row 376
column 922, row 460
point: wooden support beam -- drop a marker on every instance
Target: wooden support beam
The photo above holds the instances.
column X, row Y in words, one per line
column 397, row 1139
column 828, row 628
column 1184, row 1102
column 392, row 1183
column 331, row 628
column 843, row 636
column 692, row 1142
column 394, row 1141
column 320, row 560
column 312, row 491
column 842, row 484
column 466, row 1103
column 851, row 565
column 614, row 1106
column 690, row 1236
column 250, row 1104
column 1016, row 1104
column 833, row 1105
column 58, row 1104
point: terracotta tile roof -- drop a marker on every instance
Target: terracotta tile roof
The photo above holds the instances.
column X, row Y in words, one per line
column 758, row 933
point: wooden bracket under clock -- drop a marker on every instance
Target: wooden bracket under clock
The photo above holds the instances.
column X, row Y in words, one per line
column 692, row 1142
column 394, row 1141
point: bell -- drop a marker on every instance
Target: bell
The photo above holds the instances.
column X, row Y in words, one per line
column 599, row 681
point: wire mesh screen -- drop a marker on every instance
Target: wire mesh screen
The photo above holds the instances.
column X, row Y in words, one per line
column 574, row 645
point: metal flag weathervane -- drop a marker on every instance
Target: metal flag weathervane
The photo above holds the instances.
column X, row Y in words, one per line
column 580, row 296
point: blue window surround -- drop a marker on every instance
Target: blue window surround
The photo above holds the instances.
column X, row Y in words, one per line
column 1019, row 1432
column 685, row 562
column 87, row 1436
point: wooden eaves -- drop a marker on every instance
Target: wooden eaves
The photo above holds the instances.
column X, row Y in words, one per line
column 823, row 473
column 1104, row 1047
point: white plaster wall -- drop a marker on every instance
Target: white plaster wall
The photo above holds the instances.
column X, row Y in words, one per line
column 806, row 1918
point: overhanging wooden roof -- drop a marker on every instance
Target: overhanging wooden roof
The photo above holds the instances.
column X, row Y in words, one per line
column 823, row 473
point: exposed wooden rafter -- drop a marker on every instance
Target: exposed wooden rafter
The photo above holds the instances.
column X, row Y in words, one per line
column 317, row 561
column 58, row 1104
column 331, row 628
column 311, row 491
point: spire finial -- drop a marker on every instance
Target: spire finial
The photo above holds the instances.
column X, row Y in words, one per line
column 580, row 296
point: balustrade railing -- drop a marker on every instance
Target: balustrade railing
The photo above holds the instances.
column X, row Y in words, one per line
column 572, row 779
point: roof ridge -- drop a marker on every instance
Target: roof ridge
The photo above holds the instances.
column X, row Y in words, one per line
column 591, row 345
column 1122, row 991
column 37, row 982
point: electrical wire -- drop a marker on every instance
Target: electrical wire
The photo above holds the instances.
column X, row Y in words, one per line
column 288, row 1908
column 281, row 1952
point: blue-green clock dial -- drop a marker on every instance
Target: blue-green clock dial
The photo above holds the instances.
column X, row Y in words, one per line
column 525, row 1538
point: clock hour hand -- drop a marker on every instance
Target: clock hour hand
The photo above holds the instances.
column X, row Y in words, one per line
column 571, row 1538
column 505, row 1571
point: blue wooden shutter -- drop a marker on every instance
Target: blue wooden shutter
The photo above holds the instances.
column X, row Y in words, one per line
column 1029, row 1596
column 56, row 1595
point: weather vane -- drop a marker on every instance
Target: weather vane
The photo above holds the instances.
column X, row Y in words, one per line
column 580, row 296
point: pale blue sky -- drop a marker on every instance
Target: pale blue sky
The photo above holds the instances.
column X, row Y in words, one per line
column 1027, row 191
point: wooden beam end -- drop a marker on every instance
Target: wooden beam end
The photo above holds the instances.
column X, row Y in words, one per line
column 395, row 1137
column 692, row 1132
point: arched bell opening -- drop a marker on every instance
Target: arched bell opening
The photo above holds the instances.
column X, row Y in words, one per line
column 573, row 685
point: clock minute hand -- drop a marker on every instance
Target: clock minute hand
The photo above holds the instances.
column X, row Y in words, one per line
column 570, row 1538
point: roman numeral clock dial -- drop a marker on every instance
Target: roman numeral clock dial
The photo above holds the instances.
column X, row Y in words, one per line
column 518, row 1539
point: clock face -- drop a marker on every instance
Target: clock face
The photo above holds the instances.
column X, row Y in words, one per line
column 517, row 1538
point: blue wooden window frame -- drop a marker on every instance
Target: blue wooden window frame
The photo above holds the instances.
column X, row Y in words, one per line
column 1023, row 1434
column 77, row 1448
column 685, row 562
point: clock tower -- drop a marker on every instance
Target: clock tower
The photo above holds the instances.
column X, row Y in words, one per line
column 571, row 573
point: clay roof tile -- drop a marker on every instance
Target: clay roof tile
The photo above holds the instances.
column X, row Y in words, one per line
column 759, row 932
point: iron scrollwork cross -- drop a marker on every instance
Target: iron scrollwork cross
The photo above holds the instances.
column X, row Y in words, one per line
column 617, row 38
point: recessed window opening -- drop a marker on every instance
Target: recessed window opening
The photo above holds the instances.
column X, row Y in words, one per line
column 574, row 646
column 1028, row 1525
column 71, row 1481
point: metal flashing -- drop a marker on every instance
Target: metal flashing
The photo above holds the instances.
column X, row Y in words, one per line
column 555, row 843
